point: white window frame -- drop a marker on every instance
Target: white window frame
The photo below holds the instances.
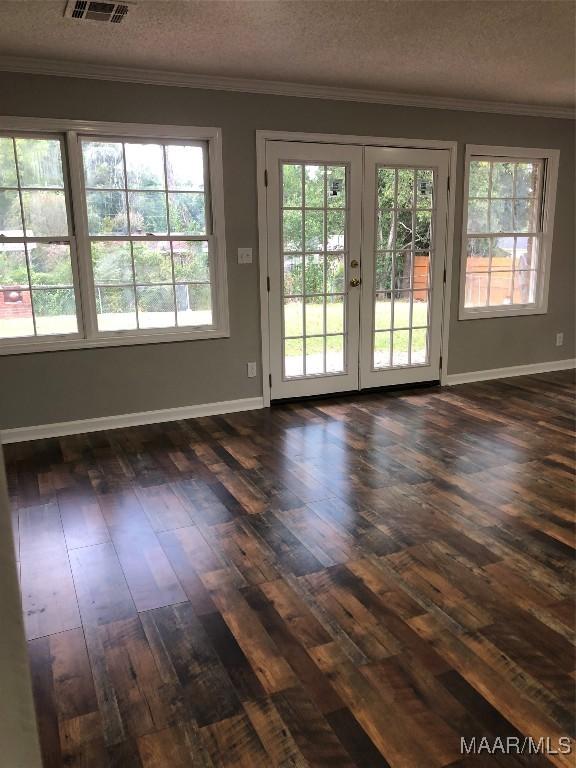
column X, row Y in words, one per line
column 88, row 336
column 550, row 160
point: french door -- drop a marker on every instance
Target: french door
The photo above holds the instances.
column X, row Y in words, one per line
column 356, row 249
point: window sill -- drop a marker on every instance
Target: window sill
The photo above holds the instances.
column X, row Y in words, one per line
column 66, row 343
column 488, row 312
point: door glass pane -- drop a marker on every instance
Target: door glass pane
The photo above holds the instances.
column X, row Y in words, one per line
column 314, row 236
column 403, row 266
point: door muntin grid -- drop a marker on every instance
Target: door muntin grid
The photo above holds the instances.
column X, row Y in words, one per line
column 403, row 259
column 314, row 236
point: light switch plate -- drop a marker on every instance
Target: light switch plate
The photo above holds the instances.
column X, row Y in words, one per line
column 244, row 255
column 251, row 370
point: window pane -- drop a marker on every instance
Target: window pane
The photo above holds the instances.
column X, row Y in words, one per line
column 156, row 308
column 291, row 185
column 502, row 179
column 384, row 271
column 50, row 264
column 385, row 231
column 382, row 350
column 7, row 164
column 404, row 233
column 478, row 256
column 107, row 213
column 191, row 261
column 187, row 213
column 10, row 217
column 502, row 253
column 55, row 311
column 314, row 176
column 500, row 289
column 405, row 194
column 501, row 216
column 185, row 166
column 148, row 213
column 419, row 349
column 152, row 262
column 293, row 275
column 524, row 287
column 421, row 272
column 45, row 213
column 423, row 233
column 314, row 316
column 314, row 234
column 336, row 186
column 335, row 314
column 39, row 163
column 476, row 294
column 144, row 166
column 478, row 178
column 403, row 269
column 424, row 188
column 103, row 164
column 13, row 270
column 336, row 227
column 526, row 253
column 115, row 308
column 292, row 230
column 314, row 274
column 401, row 317
column 293, row 317
column 382, row 312
column 314, row 355
column 527, row 179
column 478, row 216
column 15, row 313
column 524, row 215
column 335, row 354
column 400, row 344
column 335, row 273
column 386, row 187
column 112, row 262
column 194, row 305
column 293, row 357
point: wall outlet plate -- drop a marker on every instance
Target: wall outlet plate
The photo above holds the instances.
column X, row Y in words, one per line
column 244, row 255
column 252, row 370
column 559, row 339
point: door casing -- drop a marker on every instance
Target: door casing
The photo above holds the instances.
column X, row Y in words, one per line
column 362, row 141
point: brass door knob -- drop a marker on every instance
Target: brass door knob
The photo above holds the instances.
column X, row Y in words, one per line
column 354, row 263
column 355, row 282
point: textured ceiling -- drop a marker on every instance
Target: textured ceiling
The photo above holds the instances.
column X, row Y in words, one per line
column 518, row 51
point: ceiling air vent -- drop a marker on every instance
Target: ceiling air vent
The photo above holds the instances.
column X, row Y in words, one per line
column 86, row 10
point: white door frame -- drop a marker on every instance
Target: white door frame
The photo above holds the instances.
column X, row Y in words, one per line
column 334, row 138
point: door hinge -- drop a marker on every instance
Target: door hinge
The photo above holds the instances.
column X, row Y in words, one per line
column 268, row 284
column 270, row 379
column 448, row 180
column 444, row 274
column 440, row 362
column 265, row 178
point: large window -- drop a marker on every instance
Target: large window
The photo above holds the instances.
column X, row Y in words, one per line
column 110, row 237
column 509, row 213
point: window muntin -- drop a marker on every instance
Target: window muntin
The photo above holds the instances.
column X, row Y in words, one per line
column 148, row 227
column 503, row 267
column 37, row 292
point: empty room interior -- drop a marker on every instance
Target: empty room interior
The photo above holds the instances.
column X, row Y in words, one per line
column 287, row 351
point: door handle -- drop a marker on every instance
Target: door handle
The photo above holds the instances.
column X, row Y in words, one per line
column 354, row 263
column 355, row 282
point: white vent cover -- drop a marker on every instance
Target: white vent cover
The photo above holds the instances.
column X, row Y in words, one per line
column 96, row 10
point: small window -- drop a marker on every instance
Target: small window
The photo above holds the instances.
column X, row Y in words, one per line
column 509, row 212
column 37, row 293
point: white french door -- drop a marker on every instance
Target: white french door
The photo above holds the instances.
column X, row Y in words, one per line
column 356, row 242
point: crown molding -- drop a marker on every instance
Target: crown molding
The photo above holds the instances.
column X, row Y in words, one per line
column 271, row 87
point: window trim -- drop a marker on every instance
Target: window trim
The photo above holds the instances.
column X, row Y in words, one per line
column 548, row 183
column 71, row 132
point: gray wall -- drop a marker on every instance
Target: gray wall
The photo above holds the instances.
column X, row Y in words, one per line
column 59, row 386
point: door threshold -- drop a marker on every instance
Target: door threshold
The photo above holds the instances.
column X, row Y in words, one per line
column 356, row 392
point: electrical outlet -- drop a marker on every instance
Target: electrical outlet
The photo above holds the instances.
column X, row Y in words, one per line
column 244, row 255
column 559, row 339
column 251, row 370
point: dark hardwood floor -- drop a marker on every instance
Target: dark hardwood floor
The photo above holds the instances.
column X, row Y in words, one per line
column 358, row 581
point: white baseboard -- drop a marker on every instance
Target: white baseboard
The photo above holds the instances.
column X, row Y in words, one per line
column 504, row 373
column 59, row 429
